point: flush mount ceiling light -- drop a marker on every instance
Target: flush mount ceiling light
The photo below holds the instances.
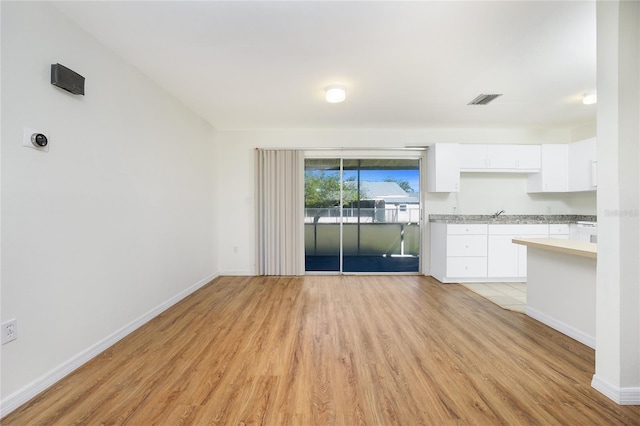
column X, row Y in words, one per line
column 483, row 99
column 590, row 98
column 335, row 93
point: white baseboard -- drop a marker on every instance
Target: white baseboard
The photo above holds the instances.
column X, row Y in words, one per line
column 23, row 395
column 622, row 396
column 562, row 327
column 238, row 273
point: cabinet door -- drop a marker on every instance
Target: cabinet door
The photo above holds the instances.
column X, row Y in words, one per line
column 473, row 157
column 502, row 157
column 554, row 173
column 529, row 157
column 443, row 167
column 502, row 257
column 582, row 154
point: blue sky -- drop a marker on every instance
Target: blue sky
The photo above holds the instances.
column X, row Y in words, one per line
column 412, row 176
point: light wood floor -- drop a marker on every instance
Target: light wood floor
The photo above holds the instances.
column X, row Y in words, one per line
column 341, row 350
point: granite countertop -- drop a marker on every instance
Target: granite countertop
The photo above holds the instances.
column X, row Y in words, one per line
column 509, row 219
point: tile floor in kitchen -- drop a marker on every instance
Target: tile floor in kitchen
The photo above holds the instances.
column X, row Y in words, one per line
column 512, row 296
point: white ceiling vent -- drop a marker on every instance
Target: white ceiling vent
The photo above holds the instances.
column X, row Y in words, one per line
column 483, row 99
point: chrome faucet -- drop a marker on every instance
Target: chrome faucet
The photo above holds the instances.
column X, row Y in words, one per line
column 496, row 214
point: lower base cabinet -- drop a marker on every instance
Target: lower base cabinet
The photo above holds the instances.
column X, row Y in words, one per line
column 481, row 252
column 508, row 261
column 467, row 267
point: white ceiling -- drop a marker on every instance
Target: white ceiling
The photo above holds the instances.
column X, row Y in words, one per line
column 265, row 64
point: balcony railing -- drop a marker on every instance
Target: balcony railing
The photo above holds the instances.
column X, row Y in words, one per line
column 399, row 214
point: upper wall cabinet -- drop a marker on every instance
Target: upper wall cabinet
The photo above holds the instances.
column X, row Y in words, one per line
column 551, row 167
column 554, row 175
column 582, row 165
column 443, row 167
column 500, row 158
column 566, row 168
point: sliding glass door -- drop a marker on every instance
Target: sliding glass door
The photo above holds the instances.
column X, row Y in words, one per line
column 322, row 201
column 362, row 215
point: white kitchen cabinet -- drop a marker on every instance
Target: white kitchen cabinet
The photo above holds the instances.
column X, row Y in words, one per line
column 466, row 245
column 559, row 230
column 554, row 173
column 502, row 257
column 465, row 268
column 529, row 157
column 505, row 259
column 473, row 157
column 459, row 252
column 484, row 252
column 582, row 170
column 443, row 167
column 500, row 158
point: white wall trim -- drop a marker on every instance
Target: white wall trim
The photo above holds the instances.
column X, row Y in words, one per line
column 16, row 399
column 562, row 327
column 238, row 273
column 622, row 396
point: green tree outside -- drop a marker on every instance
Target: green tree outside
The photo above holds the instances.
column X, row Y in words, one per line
column 322, row 189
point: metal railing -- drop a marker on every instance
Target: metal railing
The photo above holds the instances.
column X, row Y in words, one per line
column 396, row 214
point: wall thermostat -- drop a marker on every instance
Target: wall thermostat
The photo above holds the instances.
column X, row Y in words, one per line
column 39, row 140
column 36, row 139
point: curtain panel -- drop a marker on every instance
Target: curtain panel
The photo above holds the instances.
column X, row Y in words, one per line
column 280, row 212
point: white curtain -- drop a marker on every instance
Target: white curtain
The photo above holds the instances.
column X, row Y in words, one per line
column 280, row 220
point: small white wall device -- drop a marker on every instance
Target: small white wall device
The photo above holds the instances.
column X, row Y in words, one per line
column 39, row 140
column 35, row 139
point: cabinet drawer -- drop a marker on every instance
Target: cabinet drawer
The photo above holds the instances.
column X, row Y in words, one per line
column 467, row 229
column 519, row 229
column 467, row 267
column 466, row 245
column 559, row 229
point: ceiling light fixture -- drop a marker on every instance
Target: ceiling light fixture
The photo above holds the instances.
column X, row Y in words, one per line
column 335, row 93
column 590, row 98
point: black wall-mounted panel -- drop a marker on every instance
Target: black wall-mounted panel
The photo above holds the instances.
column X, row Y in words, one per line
column 67, row 79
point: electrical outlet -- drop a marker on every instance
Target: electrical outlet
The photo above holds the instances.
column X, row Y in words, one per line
column 548, row 209
column 454, row 209
column 9, row 331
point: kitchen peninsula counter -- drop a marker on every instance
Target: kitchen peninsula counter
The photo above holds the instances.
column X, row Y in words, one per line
column 577, row 248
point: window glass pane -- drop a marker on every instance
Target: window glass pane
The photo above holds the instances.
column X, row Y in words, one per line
column 380, row 215
column 322, row 214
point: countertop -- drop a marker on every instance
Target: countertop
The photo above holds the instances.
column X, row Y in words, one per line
column 578, row 248
column 510, row 219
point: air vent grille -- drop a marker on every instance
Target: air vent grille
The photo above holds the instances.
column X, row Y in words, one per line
column 483, row 99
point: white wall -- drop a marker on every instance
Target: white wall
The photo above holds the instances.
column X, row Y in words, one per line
column 618, row 294
column 115, row 222
column 486, row 193
column 480, row 194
